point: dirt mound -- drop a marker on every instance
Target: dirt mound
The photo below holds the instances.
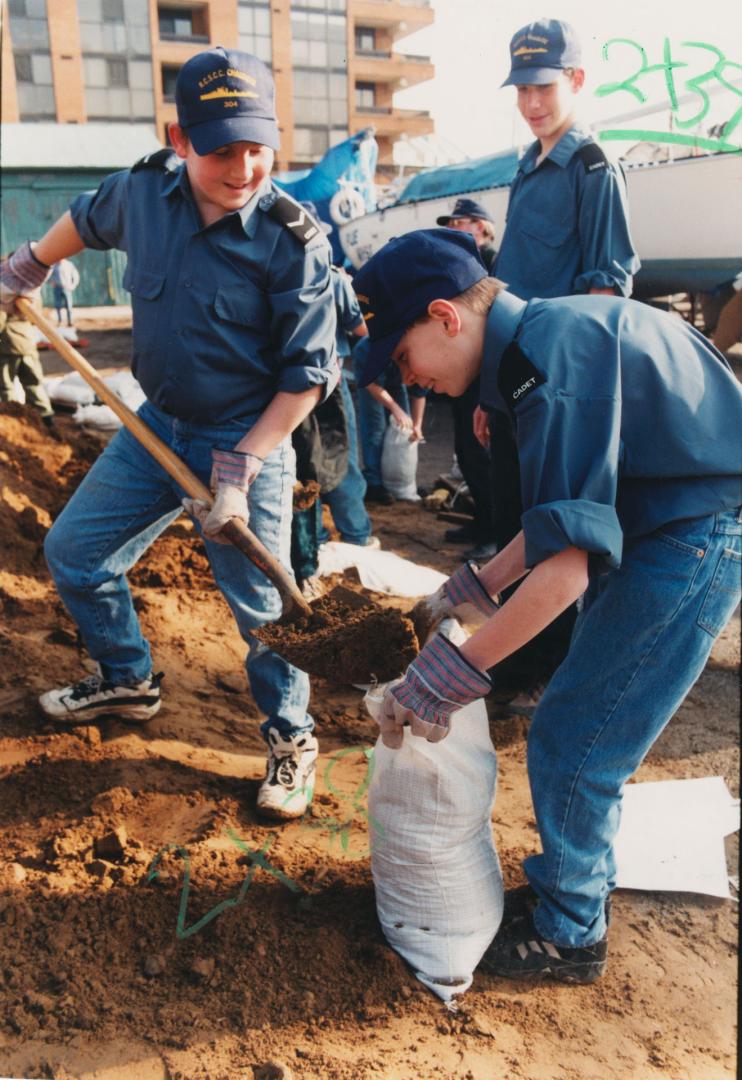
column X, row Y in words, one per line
column 152, row 926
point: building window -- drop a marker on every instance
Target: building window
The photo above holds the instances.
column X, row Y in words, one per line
column 254, row 27
column 319, row 40
column 112, row 10
column 365, row 95
column 365, row 39
column 23, row 69
column 169, row 79
column 118, row 72
column 183, row 24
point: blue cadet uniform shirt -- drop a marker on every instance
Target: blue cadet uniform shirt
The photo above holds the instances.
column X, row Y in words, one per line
column 348, row 311
column 626, row 419
column 567, row 229
column 225, row 316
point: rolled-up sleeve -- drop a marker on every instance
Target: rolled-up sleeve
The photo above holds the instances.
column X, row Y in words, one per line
column 568, row 450
column 303, row 319
column 609, row 260
column 100, row 215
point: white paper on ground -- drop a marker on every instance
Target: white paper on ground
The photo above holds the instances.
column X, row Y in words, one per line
column 671, row 837
column 382, row 571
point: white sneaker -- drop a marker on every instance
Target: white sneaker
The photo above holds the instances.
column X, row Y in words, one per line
column 289, row 776
column 94, row 696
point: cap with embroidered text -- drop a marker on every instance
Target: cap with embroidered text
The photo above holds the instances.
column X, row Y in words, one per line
column 540, row 50
column 396, row 285
column 465, row 208
column 225, row 96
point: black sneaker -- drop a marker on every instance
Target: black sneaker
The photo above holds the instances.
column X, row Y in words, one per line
column 375, row 493
column 519, row 952
column 463, row 535
column 94, row 696
column 483, row 552
column 522, row 901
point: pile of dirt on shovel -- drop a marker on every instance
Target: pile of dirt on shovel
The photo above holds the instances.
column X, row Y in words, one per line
column 346, row 642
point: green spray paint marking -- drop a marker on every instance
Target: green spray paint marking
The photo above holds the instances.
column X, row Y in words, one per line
column 258, row 859
column 343, row 829
column 695, row 86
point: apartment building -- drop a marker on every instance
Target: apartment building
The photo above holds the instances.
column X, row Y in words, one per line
column 116, row 61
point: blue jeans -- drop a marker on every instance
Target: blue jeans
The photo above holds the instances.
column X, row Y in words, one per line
column 122, row 506
column 372, row 421
column 640, row 642
column 346, row 500
column 62, row 300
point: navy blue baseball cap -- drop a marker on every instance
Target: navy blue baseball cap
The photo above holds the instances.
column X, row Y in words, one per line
column 225, row 96
column 540, row 50
column 396, row 285
column 465, row 208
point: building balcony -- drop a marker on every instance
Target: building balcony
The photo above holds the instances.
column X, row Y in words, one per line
column 392, row 123
column 395, row 70
column 399, row 17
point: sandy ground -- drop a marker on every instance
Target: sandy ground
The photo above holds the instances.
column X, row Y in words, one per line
column 295, row 979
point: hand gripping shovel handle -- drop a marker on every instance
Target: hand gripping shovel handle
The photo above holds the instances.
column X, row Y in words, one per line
column 234, row 530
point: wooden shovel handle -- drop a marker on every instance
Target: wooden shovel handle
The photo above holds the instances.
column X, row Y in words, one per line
column 235, row 531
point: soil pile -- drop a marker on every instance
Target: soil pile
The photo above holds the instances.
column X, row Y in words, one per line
column 152, row 926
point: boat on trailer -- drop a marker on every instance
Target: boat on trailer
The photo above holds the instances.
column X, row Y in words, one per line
column 685, row 216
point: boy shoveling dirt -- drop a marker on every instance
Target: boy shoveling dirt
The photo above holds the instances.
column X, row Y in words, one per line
column 627, row 425
column 234, row 328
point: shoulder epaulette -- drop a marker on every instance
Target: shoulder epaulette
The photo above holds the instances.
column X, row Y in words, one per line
column 165, row 159
column 293, row 217
column 592, row 157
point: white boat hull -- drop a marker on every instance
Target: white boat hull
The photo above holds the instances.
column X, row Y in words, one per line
column 685, row 216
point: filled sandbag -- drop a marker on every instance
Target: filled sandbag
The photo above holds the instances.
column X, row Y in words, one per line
column 439, row 890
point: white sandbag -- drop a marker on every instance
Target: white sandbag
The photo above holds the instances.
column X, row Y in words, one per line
column 69, row 390
column 399, row 462
column 439, row 890
column 382, row 571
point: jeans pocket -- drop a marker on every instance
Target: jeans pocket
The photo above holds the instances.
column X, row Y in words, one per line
column 723, row 593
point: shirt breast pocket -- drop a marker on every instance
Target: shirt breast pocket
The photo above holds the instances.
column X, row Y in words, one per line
column 146, row 288
column 243, row 306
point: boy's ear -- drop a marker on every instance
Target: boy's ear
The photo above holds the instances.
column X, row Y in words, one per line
column 178, row 139
column 445, row 312
column 578, row 79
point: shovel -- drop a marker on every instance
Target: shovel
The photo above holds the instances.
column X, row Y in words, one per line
column 294, row 604
column 328, row 639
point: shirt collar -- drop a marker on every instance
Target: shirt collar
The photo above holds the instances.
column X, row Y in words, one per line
column 561, row 154
column 502, row 325
column 178, row 181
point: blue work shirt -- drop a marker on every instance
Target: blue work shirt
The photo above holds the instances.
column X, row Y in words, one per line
column 225, row 315
column 348, row 311
column 567, row 224
column 626, row 419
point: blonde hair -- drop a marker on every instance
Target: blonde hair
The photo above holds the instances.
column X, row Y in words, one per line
column 478, row 298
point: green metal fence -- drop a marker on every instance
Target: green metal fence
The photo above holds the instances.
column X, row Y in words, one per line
column 32, row 200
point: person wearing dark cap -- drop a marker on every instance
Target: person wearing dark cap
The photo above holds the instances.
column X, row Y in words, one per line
column 233, row 344
column 626, row 422
column 471, row 217
column 473, row 458
column 566, row 233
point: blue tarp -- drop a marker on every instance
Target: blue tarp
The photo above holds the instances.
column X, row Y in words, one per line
column 497, row 170
column 352, row 161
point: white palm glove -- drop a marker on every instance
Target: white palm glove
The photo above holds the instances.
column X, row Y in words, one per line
column 20, row 275
column 232, row 473
column 462, row 595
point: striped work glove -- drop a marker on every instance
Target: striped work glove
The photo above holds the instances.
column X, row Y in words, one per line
column 462, row 595
column 232, row 473
column 20, row 274
column 437, row 683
